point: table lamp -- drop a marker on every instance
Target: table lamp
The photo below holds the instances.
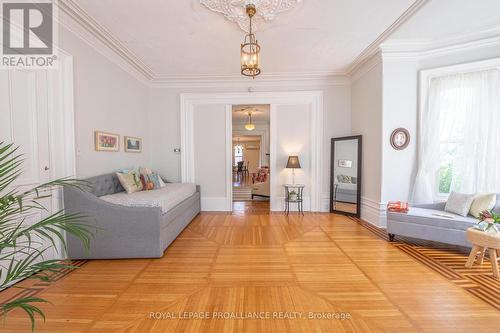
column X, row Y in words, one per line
column 293, row 163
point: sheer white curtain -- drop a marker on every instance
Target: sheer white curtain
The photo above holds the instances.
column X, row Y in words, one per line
column 460, row 125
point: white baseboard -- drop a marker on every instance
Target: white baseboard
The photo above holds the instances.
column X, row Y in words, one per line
column 215, row 204
column 374, row 212
column 325, row 202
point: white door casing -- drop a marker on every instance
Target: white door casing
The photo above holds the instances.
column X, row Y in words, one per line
column 312, row 98
column 36, row 113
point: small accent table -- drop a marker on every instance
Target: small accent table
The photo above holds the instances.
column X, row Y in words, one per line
column 293, row 194
column 481, row 241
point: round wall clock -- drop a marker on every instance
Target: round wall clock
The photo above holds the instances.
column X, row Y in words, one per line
column 400, row 138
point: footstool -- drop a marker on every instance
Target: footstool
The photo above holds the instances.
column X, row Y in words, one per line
column 482, row 241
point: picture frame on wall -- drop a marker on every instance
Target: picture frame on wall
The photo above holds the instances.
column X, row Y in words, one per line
column 133, row 144
column 106, row 141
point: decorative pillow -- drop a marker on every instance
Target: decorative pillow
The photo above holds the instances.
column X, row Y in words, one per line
column 143, row 180
column 344, row 179
column 130, row 181
column 481, row 203
column 162, row 183
column 155, row 179
column 145, row 171
column 459, row 203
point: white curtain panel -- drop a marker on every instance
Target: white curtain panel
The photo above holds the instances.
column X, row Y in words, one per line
column 462, row 111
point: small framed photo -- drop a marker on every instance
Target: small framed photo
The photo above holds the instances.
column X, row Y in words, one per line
column 133, row 145
column 345, row 163
column 106, row 141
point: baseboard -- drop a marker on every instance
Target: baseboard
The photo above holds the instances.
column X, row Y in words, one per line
column 215, row 204
column 325, row 202
column 374, row 212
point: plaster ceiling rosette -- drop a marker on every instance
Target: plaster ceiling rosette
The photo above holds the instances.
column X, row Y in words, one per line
column 234, row 10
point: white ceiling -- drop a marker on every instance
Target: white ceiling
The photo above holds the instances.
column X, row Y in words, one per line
column 260, row 113
column 439, row 19
column 183, row 38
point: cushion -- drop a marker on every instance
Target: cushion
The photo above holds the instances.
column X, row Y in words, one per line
column 166, row 198
column 162, row 183
column 155, row 178
column 130, row 181
column 482, row 202
column 344, row 179
column 459, row 203
column 434, row 218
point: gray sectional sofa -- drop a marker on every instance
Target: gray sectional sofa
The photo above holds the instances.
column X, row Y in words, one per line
column 425, row 222
column 121, row 231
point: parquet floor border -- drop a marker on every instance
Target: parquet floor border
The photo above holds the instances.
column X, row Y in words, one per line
column 448, row 261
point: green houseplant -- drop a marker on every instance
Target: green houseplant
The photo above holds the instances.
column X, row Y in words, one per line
column 23, row 246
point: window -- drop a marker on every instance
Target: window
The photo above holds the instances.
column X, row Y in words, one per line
column 238, row 154
column 459, row 138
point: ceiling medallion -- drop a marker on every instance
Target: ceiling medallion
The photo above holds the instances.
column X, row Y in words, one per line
column 235, row 10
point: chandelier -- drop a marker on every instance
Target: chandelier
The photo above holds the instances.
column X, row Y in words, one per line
column 249, row 126
column 250, row 51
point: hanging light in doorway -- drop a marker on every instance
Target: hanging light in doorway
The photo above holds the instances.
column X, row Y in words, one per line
column 249, row 126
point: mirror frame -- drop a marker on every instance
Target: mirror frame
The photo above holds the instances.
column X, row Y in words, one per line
column 359, row 139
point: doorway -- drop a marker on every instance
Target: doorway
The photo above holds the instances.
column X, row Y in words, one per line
column 250, row 158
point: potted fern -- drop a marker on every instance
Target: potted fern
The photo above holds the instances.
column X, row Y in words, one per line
column 23, row 246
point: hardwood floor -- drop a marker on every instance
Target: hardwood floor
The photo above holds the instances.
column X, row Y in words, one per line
column 251, row 265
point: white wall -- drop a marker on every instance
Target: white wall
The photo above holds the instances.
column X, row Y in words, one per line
column 291, row 128
column 209, row 144
column 109, row 99
column 399, row 110
column 366, row 119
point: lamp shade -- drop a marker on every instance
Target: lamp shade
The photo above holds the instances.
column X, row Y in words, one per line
column 293, row 162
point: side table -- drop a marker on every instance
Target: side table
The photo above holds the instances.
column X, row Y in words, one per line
column 293, row 194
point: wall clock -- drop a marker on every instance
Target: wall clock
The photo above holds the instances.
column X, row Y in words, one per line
column 400, row 138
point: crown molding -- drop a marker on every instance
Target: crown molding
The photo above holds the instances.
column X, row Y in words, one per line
column 367, row 65
column 374, row 47
column 90, row 25
column 264, row 80
column 418, row 49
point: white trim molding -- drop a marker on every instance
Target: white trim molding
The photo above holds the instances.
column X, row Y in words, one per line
column 312, row 98
column 374, row 212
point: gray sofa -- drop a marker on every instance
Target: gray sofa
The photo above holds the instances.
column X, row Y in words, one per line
column 422, row 222
column 121, row 231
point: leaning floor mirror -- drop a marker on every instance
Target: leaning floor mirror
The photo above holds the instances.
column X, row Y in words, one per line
column 345, row 182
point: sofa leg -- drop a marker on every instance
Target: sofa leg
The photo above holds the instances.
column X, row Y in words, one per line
column 391, row 237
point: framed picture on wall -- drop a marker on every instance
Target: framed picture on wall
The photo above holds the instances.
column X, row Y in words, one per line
column 133, row 144
column 106, row 141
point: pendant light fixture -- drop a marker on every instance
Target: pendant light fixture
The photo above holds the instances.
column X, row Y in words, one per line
column 249, row 126
column 250, row 49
